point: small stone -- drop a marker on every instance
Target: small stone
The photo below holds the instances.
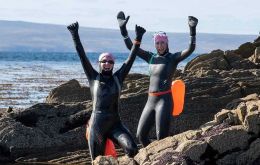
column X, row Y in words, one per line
column 10, row 109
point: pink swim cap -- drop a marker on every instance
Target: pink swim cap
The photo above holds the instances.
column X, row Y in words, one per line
column 160, row 36
column 106, row 55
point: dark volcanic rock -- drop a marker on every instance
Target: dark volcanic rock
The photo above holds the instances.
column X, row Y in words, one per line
column 214, row 60
column 43, row 127
column 69, row 92
column 246, row 49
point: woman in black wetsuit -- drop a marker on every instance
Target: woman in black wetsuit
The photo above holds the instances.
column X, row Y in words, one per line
column 162, row 67
column 105, row 90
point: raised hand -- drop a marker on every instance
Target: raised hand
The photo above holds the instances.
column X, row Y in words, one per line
column 192, row 21
column 122, row 21
column 73, row 28
column 139, row 31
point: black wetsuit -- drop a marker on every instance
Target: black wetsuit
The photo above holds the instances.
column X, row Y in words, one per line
column 105, row 91
column 158, row 108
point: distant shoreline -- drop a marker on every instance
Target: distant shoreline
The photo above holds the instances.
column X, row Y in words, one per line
column 22, row 36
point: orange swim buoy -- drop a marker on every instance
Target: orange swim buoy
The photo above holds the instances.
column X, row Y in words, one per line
column 178, row 95
column 110, row 149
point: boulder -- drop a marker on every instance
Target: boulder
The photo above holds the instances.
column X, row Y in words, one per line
column 105, row 160
column 157, row 150
column 245, row 50
column 69, row 92
column 229, row 139
column 214, row 60
column 125, row 160
column 43, row 127
column 194, row 149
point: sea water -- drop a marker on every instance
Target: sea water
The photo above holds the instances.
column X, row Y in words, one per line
column 26, row 78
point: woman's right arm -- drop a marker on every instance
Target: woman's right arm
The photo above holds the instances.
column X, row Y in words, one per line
column 122, row 21
column 88, row 69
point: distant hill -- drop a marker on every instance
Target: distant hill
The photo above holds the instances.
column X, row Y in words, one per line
column 35, row 37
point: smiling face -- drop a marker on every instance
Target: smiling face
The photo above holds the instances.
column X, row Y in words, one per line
column 161, row 42
column 161, row 47
column 106, row 63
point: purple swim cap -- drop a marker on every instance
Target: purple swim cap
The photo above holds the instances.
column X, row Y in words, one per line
column 160, row 36
column 106, row 55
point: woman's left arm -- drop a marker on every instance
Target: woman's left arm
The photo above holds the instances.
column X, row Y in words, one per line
column 125, row 68
column 192, row 24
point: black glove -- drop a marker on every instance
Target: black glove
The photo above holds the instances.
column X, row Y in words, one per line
column 74, row 28
column 122, row 21
column 192, row 23
column 139, row 31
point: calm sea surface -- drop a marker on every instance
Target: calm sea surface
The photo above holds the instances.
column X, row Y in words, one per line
column 27, row 78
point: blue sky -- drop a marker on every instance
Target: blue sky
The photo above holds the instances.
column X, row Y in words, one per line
column 225, row 16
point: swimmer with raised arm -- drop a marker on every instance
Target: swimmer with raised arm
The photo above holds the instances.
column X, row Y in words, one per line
column 162, row 66
column 105, row 87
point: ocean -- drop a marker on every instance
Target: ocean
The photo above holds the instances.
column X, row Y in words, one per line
column 26, row 78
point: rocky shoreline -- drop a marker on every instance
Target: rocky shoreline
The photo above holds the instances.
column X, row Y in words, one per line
column 231, row 138
column 220, row 123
